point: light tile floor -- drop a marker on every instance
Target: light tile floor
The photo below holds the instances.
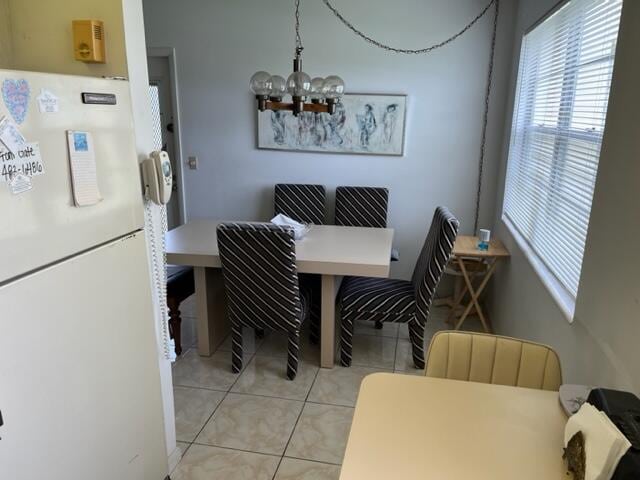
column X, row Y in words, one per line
column 258, row 424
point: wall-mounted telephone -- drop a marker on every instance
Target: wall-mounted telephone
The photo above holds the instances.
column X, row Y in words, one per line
column 157, row 177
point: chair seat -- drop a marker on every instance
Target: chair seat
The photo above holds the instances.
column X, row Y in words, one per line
column 381, row 299
column 180, row 282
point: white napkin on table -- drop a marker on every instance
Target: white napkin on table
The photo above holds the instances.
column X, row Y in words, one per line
column 604, row 444
column 299, row 229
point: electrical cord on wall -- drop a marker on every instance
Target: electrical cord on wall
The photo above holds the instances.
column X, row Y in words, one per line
column 485, row 118
column 430, row 49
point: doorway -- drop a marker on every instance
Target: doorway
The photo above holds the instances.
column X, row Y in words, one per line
column 166, row 125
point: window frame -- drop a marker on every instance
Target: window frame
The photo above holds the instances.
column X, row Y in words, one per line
column 565, row 299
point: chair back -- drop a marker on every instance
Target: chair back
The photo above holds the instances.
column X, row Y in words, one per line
column 484, row 358
column 303, row 203
column 362, row 206
column 433, row 259
column 260, row 275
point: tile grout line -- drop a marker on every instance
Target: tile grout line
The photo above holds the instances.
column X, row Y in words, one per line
column 265, row 454
column 259, row 395
column 315, row 402
column 275, row 455
column 246, row 363
column 226, row 394
column 296, row 424
column 251, row 357
column 199, row 388
column 336, row 404
column 314, row 461
column 262, row 395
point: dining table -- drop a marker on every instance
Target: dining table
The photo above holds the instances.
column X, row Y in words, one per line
column 330, row 251
column 415, row 427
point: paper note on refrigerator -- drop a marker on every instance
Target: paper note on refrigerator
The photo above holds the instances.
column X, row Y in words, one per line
column 10, row 135
column 20, row 183
column 48, row 102
column 26, row 161
column 84, row 177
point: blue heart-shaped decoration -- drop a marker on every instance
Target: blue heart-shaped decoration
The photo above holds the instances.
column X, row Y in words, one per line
column 16, row 97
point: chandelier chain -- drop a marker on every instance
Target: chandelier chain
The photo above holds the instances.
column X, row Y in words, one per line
column 419, row 51
column 485, row 120
column 431, row 48
column 299, row 46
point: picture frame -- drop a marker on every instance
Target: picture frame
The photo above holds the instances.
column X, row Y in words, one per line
column 363, row 124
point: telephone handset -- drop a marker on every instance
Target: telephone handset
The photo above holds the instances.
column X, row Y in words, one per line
column 157, row 176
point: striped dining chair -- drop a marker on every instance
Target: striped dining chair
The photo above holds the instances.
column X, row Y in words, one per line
column 307, row 204
column 303, row 203
column 261, row 282
column 362, row 206
column 390, row 300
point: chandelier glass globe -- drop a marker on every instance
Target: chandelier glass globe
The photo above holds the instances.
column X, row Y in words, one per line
column 278, row 87
column 299, row 84
column 315, row 92
column 333, row 87
column 260, row 83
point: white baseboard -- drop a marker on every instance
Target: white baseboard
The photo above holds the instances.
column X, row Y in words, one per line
column 174, row 458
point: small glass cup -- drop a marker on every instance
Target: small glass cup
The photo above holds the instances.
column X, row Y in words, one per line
column 484, row 237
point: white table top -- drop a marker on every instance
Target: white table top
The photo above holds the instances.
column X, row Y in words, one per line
column 414, row 427
column 326, row 249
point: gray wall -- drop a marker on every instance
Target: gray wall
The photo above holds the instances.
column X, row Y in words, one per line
column 219, row 44
column 601, row 346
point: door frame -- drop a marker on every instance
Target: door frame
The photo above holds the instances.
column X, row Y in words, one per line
column 170, row 54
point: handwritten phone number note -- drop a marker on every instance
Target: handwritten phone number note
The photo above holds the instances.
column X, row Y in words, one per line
column 27, row 161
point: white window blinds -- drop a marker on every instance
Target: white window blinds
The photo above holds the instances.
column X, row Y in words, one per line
column 566, row 63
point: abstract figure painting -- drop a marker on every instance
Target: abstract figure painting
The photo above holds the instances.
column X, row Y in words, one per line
column 364, row 124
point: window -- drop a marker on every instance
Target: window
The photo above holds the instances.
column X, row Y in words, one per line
column 566, row 63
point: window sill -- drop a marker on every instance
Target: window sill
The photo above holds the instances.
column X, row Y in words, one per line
column 563, row 299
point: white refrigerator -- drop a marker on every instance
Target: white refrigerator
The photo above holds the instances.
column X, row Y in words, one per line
column 80, row 390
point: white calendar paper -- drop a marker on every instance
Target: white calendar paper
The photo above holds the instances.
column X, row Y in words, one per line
column 84, row 176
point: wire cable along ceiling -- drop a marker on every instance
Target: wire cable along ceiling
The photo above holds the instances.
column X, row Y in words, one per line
column 410, row 51
column 324, row 94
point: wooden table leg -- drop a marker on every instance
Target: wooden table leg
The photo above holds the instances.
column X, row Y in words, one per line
column 328, row 321
column 475, row 294
column 458, row 295
column 212, row 325
column 468, row 286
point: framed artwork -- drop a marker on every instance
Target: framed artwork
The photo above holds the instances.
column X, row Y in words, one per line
column 368, row 124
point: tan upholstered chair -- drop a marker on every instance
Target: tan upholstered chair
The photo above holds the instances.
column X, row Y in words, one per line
column 479, row 357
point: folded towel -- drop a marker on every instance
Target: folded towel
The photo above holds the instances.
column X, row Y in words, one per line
column 603, row 444
column 299, row 229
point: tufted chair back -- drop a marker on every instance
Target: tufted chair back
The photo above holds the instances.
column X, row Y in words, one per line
column 479, row 357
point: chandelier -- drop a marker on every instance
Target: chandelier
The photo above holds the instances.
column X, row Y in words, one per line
column 307, row 95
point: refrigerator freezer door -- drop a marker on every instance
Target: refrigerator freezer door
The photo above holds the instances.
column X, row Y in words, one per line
column 42, row 225
column 79, row 379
